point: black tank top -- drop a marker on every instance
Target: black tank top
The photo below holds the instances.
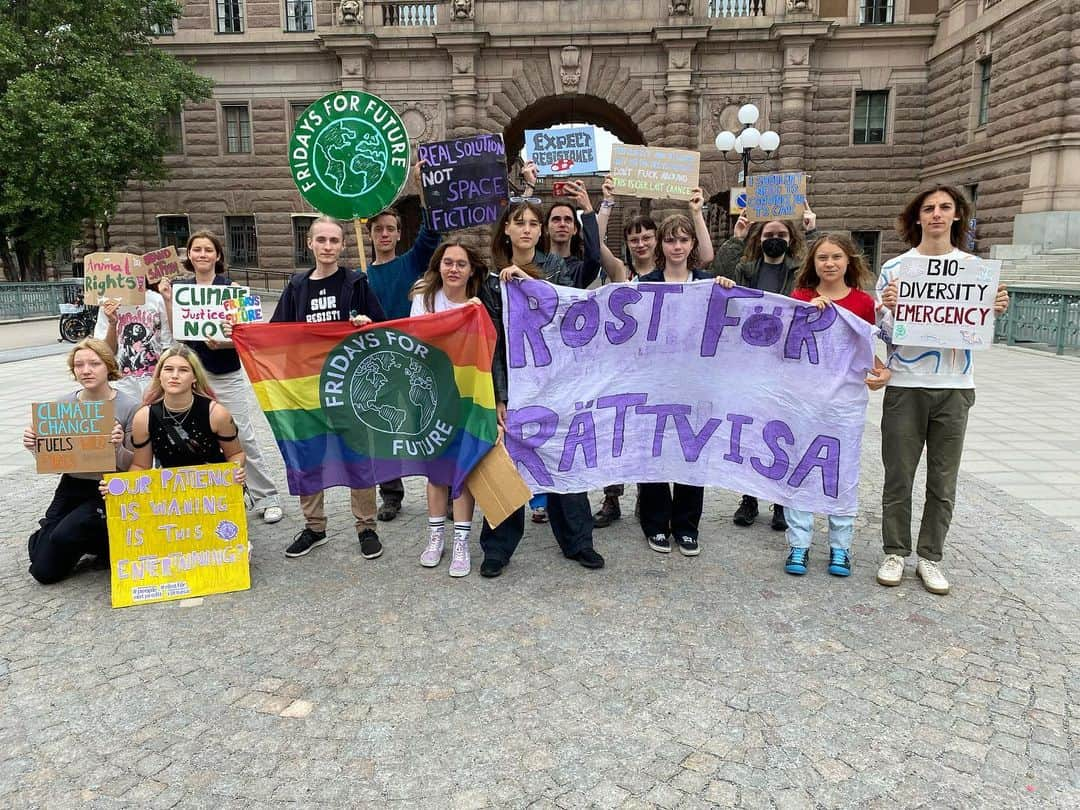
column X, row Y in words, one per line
column 184, row 441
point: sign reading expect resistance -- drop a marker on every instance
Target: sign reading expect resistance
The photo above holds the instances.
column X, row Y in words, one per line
column 349, row 154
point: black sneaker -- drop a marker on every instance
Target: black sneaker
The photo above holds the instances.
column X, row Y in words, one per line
column 305, row 542
column 747, row 512
column 587, row 557
column 491, row 567
column 688, row 545
column 370, row 547
column 779, row 522
column 661, row 543
column 608, row 512
column 388, row 511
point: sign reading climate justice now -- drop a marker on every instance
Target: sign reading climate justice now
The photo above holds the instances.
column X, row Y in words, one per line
column 74, row 436
column 349, row 154
column 945, row 302
column 639, row 171
column 562, row 151
column 692, row 383
column 117, row 276
column 463, row 181
column 176, row 533
column 200, row 311
column 775, row 196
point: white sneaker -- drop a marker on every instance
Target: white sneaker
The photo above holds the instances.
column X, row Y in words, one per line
column 432, row 555
column 459, row 562
column 932, row 578
column 272, row 514
column 891, row 570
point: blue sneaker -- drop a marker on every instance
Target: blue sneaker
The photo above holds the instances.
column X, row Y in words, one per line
column 796, row 561
column 839, row 562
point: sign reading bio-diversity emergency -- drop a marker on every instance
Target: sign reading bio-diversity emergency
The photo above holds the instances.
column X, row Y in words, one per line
column 639, row 171
column 176, row 533
column 570, row 150
column 945, row 302
column 117, row 276
column 73, row 436
column 463, row 181
column 349, row 154
column 775, row 196
column 693, row 383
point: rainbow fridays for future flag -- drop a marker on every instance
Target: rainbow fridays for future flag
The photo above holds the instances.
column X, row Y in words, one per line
column 353, row 407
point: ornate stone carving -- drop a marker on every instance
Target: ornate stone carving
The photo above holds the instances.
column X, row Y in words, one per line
column 462, row 10
column 798, row 56
column 420, row 119
column 798, row 5
column 982, row 44
column 352, row 12
column 681, row 9
column 463, row 64
column 570, row 68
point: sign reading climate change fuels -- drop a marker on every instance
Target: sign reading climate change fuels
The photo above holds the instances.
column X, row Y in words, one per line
column 947, row 303
column 120, row 276
column 693, row 383
column 74, row 436
column 639, row 171
column 569, row 150
column 775, row 196
column 349, row 154
column 200, row 310
column 176, row 533
column 353, row 408
column 463, row 181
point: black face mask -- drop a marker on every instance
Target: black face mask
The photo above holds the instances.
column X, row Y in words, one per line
column 774, row 247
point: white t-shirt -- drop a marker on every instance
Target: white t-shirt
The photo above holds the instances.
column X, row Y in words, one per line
column 142, row 334
column 442, row 303
column 923, row 366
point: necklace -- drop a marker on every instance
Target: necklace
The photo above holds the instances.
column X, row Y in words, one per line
column 178, row 417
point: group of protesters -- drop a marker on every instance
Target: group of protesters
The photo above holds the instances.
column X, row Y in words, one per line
column 181, row 404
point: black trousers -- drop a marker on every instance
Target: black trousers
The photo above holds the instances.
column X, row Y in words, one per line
column 74, row 525
column 665, row 513
column 571, row 522
column 392, row 491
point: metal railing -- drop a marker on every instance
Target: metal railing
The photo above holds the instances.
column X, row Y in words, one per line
column 737, row 8
column 412, row 15
column 1041, row 315
column 260, row 280
column 20, row 299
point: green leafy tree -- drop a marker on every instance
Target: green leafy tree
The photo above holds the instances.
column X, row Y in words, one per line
column 83, row 92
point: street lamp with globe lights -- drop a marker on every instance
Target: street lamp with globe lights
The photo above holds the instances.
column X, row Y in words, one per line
column 749, row 138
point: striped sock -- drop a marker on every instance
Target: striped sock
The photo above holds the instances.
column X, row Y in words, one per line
column 461, row 530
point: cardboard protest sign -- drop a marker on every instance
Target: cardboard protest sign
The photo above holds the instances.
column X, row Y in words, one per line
column 200, row 310
column 639, row 171
column 176, row 533
column 74, row 436
column 562, row 151
column 683, row 386
column 162, row 263
column 463, row 181
column 947, row 303
column 117, row 276
column 775, row 196
column 497, row 486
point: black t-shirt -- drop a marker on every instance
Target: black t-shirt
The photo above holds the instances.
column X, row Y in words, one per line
column 770, row 277
column 324, row 298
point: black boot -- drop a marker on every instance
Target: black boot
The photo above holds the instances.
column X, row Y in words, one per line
column 609, row 511
column 747, row 512
column 779, row 523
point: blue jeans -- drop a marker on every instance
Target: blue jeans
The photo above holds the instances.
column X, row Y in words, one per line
column 800, row 529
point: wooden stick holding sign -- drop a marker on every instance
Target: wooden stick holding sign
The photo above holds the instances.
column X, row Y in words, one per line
column 358, row 226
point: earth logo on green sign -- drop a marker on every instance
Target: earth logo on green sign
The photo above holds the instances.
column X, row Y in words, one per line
column 349, row 154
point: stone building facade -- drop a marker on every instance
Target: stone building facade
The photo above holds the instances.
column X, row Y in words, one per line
column 872, row 98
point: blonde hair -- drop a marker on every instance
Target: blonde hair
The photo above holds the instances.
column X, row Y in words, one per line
column 156, row 391
column 101, row 349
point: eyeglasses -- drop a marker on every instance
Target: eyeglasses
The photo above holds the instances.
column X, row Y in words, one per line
column 533, row 200
column 449, row 263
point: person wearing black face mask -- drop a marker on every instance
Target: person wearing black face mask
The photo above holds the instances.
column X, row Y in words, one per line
column 763, row 256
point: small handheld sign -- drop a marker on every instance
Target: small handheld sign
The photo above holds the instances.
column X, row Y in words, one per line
column 463, row 181
column 562, row 151
column 74, row 436
column 120, row 276
column 775, row 196
column 201, row 310
column 669, row 174
column 161, row 263
column 946, row 303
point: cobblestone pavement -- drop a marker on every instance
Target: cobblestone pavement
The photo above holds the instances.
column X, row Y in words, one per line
column 661, row 681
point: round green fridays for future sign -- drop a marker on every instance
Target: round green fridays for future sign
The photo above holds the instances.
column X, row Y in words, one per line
column 349, row 154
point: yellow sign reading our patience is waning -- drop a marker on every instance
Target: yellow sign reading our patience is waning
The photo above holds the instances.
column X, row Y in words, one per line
column 176, row 533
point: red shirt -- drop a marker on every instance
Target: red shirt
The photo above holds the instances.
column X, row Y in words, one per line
column 857, row 301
